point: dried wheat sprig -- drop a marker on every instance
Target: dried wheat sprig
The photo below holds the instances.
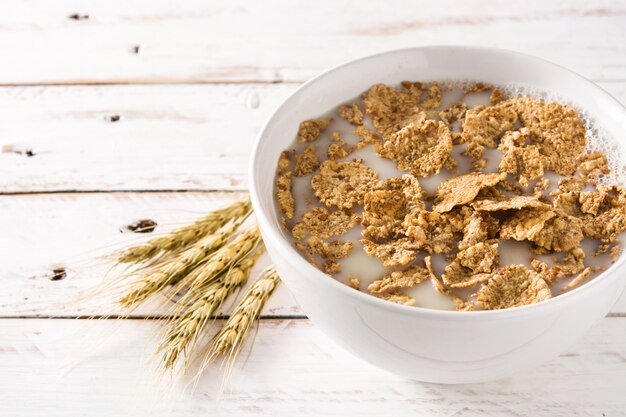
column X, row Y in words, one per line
column 230, row 339
column 182, row 333
column 188, row 235
column 223, row 258
column 173, row 270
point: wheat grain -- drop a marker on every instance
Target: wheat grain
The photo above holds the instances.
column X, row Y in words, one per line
column 196, row 308
column 185, row 236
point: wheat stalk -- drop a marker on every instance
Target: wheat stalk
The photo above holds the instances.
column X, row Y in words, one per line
column 188, row 235
column 231, row 337
column 173, row 270
column 196, row 309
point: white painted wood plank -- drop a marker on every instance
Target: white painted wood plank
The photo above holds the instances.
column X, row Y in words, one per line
column 274, row 40
column 169, row 137
column 43, row 231
column 292, row 370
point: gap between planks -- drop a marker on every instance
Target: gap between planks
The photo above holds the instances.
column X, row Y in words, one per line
column 83, row 83
column 191, row 82
column 154, row 317
column 197, row 82
column 159, row 318
column 125, row 191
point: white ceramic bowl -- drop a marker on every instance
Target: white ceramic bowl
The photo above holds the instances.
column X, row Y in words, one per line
column 424, row 344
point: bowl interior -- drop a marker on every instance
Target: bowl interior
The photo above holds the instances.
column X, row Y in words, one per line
column 440, row 63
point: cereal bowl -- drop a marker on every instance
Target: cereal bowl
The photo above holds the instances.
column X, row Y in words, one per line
column 420, row 343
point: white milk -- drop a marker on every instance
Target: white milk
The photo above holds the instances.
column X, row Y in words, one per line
column 369, row 269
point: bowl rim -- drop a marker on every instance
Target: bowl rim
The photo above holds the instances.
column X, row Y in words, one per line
column 293, row 256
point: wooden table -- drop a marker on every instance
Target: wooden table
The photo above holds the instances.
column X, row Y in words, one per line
column 123, row 110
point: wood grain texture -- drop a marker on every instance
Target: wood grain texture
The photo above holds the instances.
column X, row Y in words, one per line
column 71, row 368
column 79, row 232
column 226, row 40
column 168, row 137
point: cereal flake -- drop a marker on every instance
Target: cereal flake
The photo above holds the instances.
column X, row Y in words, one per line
column 433, row 97
column 615, row 251
column 472, row 265
column 578, row 280
column 566, row 197
column 453, row 114
column 324, row 223
column 332, row 267
column 397, row 280
column 463, row 189
column 593, row 166
column 432, row 231
column 394, row 253
column 383, row 214
column 477, row 87
column 522, row 160
column 591, row 201
column 478, row 227
column 456, row 275
column 561, row 233
column 310, row 130
column 496, row 96
column 307, row 162
column 284, row 162
column 513, row 286
column 420, row 147
column 284, row 195
column 344, row 184
column 338, row 149
column 557, row 130
column 391, row 109
column 484, row 125
column 367, row 136
column 385, row 210
column 459, row 303
column 398, row 298
column 336, row 249
column 573, row 262
column 611, row 217
column 354, row 282
column 351, row 113
column 546, row 228
column 481, row 257
column 517, row 202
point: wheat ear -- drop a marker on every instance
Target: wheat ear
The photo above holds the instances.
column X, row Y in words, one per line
column 230, row 339
column 188, row 235
column 173, row 270
column 196, row 309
